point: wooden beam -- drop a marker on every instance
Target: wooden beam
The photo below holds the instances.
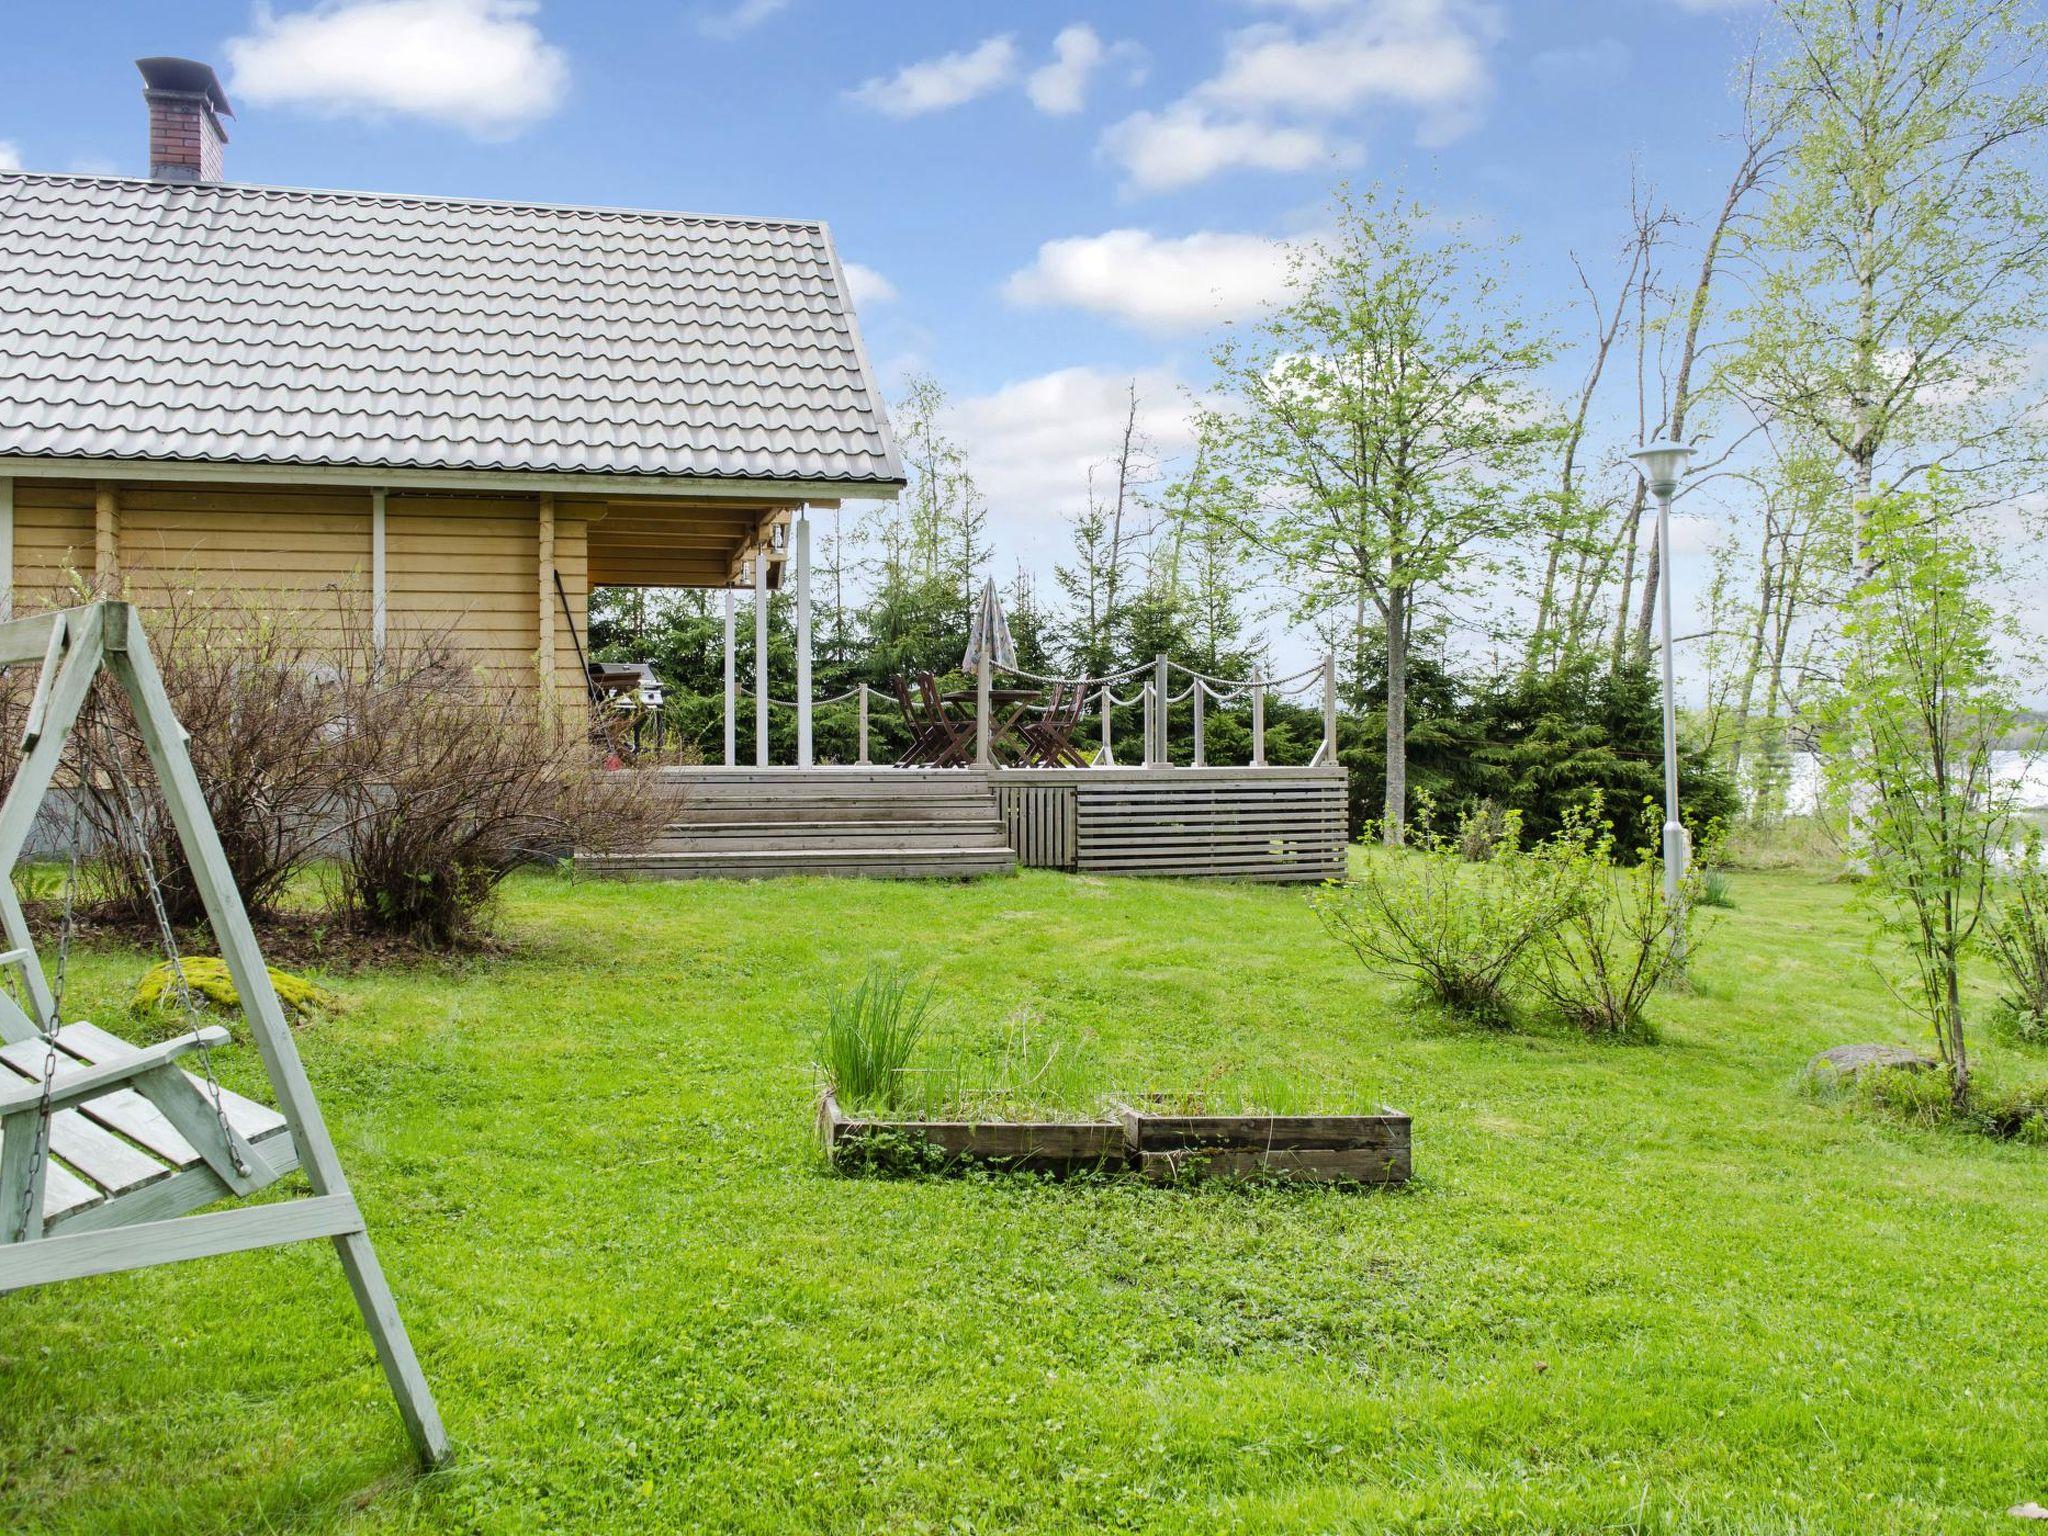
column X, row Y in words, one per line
column 129, row 658
column 547, row 594
column 6, row 547
column 380, row 571
column 184, row 1237
column 106, row 535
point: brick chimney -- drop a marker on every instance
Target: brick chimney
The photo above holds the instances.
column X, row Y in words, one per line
column 186, row 105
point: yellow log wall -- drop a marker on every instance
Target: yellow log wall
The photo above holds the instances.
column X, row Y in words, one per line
column 466, row 565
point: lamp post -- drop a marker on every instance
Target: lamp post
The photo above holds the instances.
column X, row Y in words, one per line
column 1663, row 466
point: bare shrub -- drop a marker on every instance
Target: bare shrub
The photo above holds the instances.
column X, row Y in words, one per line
column 251, row 685
column 450, row 779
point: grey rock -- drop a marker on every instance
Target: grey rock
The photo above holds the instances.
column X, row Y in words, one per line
column 1844, row 1062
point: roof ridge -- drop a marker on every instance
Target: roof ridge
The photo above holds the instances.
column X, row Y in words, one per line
column 412, row 199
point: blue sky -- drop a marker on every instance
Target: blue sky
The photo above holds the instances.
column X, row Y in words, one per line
column 1046, row 199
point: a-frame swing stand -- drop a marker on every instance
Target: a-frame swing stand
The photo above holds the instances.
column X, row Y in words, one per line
column 103, row 1146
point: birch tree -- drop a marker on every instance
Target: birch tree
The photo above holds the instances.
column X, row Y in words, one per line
column 1374, row 432
column 1904, row 254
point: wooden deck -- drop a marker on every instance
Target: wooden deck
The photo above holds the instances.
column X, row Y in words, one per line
column 1269, row 824
column 1274, row 824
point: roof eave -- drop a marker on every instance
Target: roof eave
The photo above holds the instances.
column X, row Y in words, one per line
column 405, row 477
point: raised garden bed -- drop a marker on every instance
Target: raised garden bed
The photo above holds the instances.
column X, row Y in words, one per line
column 1050, row 1146
column 1161, row 1138
column 1167, row 1139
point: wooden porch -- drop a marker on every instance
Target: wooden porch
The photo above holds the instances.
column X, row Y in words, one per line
column 1267, row 824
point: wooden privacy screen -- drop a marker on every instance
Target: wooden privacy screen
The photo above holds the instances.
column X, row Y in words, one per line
column 1277, row 824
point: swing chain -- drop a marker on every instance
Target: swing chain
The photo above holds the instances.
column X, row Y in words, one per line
column 132, row 824
column 39, row 1146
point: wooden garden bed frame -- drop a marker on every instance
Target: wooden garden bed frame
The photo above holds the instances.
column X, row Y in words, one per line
column 1162, row 1146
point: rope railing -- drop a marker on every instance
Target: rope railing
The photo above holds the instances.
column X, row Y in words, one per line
column 1154, row 697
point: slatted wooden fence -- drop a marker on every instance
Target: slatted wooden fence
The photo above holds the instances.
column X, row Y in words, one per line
column 1277, row 824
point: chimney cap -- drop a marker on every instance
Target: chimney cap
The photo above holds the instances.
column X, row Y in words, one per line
column 188, row 77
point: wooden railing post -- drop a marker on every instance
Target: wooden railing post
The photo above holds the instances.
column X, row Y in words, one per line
column 1151, row 695
column 1108, row 731
column 1200, row 701
column 1161, row 692
column 1329, row 752
column 863, row 725
column 981, row 720
column 1258, row 722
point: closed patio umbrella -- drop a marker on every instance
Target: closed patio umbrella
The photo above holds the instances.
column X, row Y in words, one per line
column 991, row 632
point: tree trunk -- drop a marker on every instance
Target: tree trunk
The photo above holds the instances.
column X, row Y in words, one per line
column 1766, row 607
column 1628, row 576
column 1394, row 811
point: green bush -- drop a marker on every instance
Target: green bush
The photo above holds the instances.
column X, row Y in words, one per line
column 1454, row 927
column 2016, row 1114
column 2019, row 943
column 1617, row 939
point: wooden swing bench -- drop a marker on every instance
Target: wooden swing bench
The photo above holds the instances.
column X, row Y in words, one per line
column 119, row 1158
column 106, row 1147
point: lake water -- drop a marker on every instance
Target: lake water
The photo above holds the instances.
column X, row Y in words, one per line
column 2028, row 770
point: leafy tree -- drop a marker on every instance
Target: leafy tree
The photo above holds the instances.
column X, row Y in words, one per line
column 1373, row 431
column 1908, row 735
column 1904, row 253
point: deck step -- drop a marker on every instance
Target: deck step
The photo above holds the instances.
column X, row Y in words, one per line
column 779, row 836
column 879, row 822
column 764, row 864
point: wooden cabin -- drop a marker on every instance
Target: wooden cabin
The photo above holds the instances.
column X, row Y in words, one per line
column 448, row 413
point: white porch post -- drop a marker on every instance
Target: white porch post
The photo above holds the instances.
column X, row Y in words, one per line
column 802, row 534
column 761, row 656
column 732, row 703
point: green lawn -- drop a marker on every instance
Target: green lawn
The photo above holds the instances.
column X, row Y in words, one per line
column 1632, row 1288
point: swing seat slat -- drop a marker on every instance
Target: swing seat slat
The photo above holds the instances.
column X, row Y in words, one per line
column 81, row 1084
column 117, row 1153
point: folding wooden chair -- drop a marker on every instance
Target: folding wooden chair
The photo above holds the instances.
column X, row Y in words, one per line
column 952, row 737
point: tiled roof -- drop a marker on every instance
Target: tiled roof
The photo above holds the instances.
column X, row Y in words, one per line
column 146, row 320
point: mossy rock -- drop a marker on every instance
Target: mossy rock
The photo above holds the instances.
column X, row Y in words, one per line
column 209, row 981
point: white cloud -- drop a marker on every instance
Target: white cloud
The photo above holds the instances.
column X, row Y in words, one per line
column 1426, row 54
column 743, row 17
column 10, row 155
column 1060, row 88
column 1284, row 87
column 1602, row 62
column 479, row 64
column 933, row 85
column 869, row 286
column 1031, row 443
column 1156, row 283
column 1186, row 144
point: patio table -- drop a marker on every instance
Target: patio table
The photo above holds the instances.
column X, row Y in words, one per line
column 1006, row 707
